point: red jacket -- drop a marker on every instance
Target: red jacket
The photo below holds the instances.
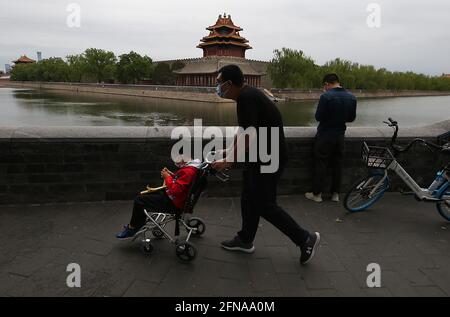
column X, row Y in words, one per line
column 179, row 183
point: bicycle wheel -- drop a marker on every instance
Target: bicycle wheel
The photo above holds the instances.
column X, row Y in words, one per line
column 444, row 206
column 359, row 198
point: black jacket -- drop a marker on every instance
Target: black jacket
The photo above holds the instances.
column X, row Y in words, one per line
column 336, row 107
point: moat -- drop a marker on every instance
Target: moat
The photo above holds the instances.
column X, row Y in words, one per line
column 26, row 107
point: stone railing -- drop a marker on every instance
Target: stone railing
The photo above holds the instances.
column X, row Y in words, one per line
column 60, row 164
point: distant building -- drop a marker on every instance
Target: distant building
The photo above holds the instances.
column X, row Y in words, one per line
column 24, row 60
column 39, row 56
column 224, row 39
column 446, row 75
column 222, row 46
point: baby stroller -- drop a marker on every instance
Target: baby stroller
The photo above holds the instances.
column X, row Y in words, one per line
column 157, row 220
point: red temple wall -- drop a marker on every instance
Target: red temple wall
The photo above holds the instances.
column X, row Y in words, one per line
column 224, row 51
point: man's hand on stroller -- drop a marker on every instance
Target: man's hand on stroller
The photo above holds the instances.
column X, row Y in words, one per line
column 221, row 165
column 220, row 154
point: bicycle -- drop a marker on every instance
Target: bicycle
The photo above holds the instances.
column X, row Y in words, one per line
column 369, row 189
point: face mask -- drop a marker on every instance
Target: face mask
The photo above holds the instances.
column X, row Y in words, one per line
column 219, row 91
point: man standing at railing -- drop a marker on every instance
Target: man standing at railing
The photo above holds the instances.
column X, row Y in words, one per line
column 336, row 107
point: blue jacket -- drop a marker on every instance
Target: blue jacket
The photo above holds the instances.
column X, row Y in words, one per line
column 336, row 107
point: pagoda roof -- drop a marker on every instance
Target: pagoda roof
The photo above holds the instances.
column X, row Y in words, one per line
column 224, row 21
column 216, row 35
column 24, row 59
column 211, row 65
column 221, row 37
column 210, row 43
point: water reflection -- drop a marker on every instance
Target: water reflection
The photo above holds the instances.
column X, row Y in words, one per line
column 94, row 109
column 33, row 107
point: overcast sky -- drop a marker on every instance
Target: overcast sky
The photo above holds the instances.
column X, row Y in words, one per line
column 414, row 34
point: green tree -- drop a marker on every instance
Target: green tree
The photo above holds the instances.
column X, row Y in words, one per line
column 293, row 69
column 52, row 69
column 77, row 67
column 100, row 64
column 347, row 71
column 24, row 72
column 163, row 74
column 133, row 68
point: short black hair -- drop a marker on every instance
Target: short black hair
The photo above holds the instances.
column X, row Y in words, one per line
column 232, row 73
column 331, row 78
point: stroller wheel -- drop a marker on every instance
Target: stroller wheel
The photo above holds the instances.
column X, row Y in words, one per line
column 197, row 224
column 185, row 251
column 147, row 248
column 157, row 233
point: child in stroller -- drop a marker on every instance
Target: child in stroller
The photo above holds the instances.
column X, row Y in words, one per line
column 154, row 208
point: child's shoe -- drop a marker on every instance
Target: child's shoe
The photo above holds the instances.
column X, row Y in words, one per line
column 127, row 233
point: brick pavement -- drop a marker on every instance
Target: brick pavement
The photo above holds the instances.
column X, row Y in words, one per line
column 409, row 240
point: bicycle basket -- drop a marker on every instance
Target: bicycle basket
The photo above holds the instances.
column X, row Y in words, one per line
column 376, row 156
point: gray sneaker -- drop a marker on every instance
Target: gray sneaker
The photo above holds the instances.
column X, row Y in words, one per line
column 236, row 244
column 317, row 198
column 309, row 248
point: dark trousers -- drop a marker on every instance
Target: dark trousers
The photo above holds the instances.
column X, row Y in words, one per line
column 328, row 153
column 259, row 199
column 153, row 202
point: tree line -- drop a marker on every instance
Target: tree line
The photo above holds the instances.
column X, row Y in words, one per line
column 293, row 69
column 288, row 68
column 99, row 66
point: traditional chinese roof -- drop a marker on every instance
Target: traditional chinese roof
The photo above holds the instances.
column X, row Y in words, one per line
column 232, row 35
column 211, row 65
column 224, row 32
column 224, row 21
column 24, row 59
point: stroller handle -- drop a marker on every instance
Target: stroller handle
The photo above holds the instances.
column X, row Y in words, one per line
column 209, row 157
column 218, row 174
column 222, row 176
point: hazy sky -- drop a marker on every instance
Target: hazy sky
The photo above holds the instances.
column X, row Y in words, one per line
column 414, row 34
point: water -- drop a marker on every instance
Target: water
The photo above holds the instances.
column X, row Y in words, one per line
column 22, row 107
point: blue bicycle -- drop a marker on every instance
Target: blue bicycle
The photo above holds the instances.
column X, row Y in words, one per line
column 369, row 189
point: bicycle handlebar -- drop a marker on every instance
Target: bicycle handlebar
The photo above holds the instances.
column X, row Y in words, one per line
column 410, row 144
column 393, row 122
column 399, row 149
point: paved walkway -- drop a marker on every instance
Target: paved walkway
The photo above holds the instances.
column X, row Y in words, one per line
column 409, row 240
